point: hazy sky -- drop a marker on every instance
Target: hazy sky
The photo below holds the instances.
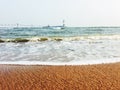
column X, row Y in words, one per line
column 74, row 12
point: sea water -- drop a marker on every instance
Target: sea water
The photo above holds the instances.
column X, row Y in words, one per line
column 69, row 46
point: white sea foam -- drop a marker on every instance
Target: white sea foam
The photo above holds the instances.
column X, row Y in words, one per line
column 83, row 62
column 78, row 52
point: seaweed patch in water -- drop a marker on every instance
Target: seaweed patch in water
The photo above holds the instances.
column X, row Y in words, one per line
column 1, row 41
column 20, row 40
column 58, row 39
column 43, row 39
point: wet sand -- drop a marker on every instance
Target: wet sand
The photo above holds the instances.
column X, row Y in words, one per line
column 86, row 77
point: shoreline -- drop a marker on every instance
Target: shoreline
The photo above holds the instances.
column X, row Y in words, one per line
column 72, row 63
column 67, row 77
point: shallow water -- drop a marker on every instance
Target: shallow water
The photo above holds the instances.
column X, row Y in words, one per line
column 78, row 46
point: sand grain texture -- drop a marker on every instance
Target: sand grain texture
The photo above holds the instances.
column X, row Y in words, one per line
column 89, row 77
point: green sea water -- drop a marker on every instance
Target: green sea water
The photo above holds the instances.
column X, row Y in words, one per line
column 29, row 32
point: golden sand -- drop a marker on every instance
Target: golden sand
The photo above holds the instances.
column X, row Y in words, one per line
column 86, row 77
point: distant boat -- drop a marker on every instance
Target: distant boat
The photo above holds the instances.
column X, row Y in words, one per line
column 55, row 27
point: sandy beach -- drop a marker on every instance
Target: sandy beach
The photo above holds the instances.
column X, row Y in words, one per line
column 41, row 77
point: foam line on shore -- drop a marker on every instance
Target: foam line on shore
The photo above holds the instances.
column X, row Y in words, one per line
column 83, row 62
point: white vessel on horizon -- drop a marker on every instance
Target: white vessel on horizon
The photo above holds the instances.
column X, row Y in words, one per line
column 55, row 27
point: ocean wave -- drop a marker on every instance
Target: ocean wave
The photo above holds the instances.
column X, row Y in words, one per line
column 73, row 38
column 61, row 52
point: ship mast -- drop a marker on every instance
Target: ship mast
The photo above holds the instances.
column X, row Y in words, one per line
column 17, row 25
column 63, row 23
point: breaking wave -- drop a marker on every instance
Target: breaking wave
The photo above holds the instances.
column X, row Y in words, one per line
column 77, row 38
